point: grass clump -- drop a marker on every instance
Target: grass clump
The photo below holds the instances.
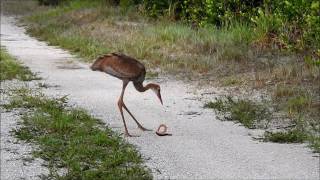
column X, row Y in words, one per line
column 298, row 103
column 291, row 136
column 11, row 69
column 295, row 135
column 231, row 81
column 152, row 75
column 218, row 104
column 245, row 112
column 301, row 106
column 71, row 140
column 315, row 143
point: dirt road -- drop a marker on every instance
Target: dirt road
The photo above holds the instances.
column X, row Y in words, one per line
column 201, row 147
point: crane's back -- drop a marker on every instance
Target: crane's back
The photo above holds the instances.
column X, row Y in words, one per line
column 120, row 66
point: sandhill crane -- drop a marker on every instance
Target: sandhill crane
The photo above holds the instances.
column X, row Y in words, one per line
column 127, row 69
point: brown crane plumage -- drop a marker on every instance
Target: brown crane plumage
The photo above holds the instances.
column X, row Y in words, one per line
column 127, row 69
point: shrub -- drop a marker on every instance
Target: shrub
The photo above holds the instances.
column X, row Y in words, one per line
column 295, row 23
column 49, row 2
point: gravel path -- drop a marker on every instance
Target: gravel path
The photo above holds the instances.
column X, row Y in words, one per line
column 201, row 146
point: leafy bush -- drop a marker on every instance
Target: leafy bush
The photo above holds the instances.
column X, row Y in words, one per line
column 113, row 2
column 49, row 2
column 291, row 24
column 209, row 11
column 301, row 22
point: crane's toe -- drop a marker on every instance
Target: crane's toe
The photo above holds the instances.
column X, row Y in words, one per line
column 126, row 134
column 144, row 129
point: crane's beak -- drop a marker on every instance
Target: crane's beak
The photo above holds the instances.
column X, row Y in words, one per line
column 159, row 96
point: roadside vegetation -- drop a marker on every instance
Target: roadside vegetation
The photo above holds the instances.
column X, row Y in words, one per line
column 10, row 68
column 248, row 113
column 291, row 136
column 73, row 144
column 299, row 126
column 236, row 51
column 221, row 52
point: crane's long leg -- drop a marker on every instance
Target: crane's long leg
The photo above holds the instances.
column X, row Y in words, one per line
column 120, row 105
column 139, row 125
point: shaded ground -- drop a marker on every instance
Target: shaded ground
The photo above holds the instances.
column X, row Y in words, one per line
column 201, row 146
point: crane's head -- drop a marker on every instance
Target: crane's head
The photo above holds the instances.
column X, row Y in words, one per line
column 100, row 62
column 96, row 65
column 156, row 89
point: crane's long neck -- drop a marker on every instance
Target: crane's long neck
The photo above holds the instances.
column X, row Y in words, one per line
column 155, row 87
column 139, row 87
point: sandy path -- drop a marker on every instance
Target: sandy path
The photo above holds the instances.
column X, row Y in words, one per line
column 201, row 146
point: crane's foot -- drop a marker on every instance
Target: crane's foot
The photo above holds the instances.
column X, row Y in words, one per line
column 126, row 134
column 144, row 129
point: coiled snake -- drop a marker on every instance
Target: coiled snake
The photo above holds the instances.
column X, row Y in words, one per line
column 162, row 130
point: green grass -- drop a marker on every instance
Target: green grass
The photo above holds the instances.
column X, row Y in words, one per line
column 218, row 104
column 70, row 139
column 291, row 136
column 298, row 103
column 245, row 112
column 152, row 75
column 231, row 81
column 294, row 136
column 293, row 99
column 315, row 143
column 10, row 69
column 85, row 47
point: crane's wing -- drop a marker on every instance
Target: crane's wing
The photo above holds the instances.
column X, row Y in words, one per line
column 124, row 67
